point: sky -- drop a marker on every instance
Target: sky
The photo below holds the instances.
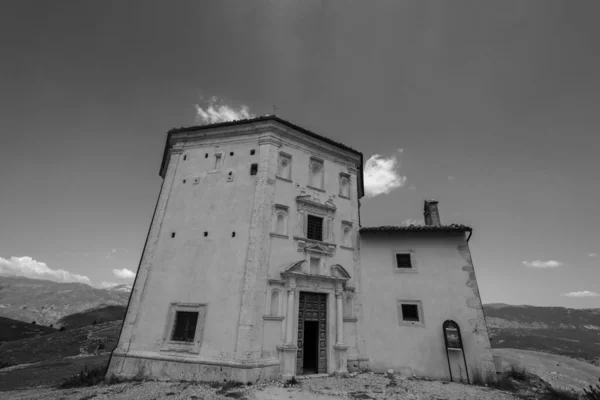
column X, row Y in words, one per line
column 490, row 107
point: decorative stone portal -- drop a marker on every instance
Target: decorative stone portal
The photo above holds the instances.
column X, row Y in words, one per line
column 312, row 334
column 314, row 321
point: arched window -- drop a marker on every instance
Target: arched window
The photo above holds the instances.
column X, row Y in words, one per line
column 347, row 238
column 274, row 306
column 280, row 224
column 348, row 307
column 344, row 186
column 316, row 174
column 284, row 167
column 280, row 220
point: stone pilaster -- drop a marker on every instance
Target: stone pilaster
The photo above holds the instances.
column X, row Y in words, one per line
column 339, row 347
column 249, row 338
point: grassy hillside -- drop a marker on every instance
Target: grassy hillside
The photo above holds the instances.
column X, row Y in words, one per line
column 46, row 302
column 100, row 315
column 68, row 343
column 559, row 371
column 570, row 332
column 11, row 329
column 51, row 358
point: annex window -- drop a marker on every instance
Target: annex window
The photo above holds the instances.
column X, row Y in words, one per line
column 410, row 312
column 403, row 260
column 184, row 328
column 314, row 227
column 316, row 173
column 345, row 185
column 284, row 166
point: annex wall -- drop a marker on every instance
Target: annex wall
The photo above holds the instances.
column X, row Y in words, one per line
column 443, row 282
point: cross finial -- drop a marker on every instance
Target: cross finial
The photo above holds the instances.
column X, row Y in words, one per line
column 274, row 110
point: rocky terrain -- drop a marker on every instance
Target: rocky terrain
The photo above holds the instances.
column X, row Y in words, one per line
column 362, row 386
column 569, row 332
column 46, row 302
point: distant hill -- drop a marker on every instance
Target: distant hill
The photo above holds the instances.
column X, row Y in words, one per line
column 46, row 302
column 564, row 331
column 100, row 315
column 11, row 329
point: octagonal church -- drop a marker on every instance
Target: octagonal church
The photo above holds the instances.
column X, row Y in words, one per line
column 256, row 266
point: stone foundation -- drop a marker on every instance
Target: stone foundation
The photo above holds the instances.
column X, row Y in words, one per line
column 161, row 367
column 358, row 364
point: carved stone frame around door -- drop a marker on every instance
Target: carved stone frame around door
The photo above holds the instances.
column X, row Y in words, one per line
column 297, row 280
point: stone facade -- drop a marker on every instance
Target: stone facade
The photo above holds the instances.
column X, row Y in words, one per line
column 252, row 217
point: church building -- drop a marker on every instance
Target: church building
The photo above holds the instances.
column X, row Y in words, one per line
column 256, row 266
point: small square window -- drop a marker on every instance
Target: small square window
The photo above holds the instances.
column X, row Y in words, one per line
column 403, row 260
column 184, row 328
column 231, row 153
column 314, row 228
column 410, row 312
column 252, row 152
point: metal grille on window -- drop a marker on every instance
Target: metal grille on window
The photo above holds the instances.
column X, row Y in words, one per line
column 410, row 312
column 403, row 261
column 185, row 326
column 314, row 229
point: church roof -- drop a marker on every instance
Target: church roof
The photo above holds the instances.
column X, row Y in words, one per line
column 265, row 118
column 416, row 228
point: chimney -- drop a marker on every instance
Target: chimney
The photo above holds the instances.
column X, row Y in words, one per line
column 431, row 213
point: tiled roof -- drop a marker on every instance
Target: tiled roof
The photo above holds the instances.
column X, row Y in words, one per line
column 265, row 118
column 416, row 228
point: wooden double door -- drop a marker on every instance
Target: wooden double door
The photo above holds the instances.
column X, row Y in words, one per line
column 312, row 334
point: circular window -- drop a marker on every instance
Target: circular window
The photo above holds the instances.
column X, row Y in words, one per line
column 316, row 168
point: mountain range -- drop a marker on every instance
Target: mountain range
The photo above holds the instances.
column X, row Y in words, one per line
column 46, row 302
column 557, row 330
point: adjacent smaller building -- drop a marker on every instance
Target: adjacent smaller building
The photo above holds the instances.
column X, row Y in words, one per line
column 414, row 279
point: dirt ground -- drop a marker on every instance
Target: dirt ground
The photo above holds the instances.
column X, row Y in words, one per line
column 363, row 386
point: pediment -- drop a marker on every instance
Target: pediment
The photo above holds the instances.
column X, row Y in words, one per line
column 317, row 248
column 294, row 267
column 339, row 272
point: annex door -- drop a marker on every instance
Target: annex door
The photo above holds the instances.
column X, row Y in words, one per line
column 312, row 334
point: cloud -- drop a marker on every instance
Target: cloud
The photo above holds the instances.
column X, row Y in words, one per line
column 124, row 273
column 217, row 111
column 408, row 222
column 111, row 254
column 591, row 255
column 381, row 175
column 583, row 293
column 30, row 268
column 542, row 264
column 451, row 178
column 412, row 187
